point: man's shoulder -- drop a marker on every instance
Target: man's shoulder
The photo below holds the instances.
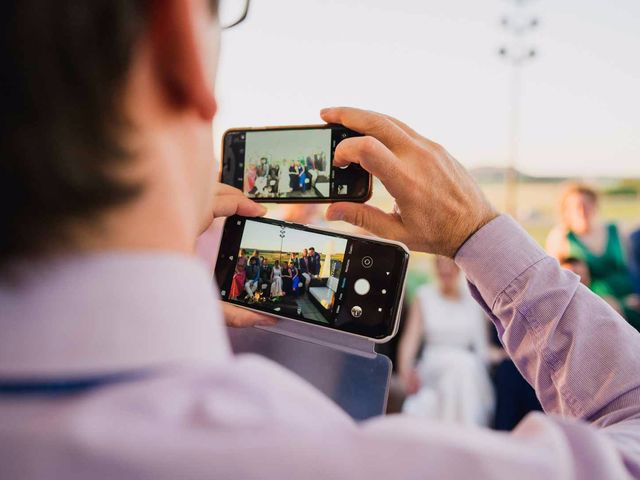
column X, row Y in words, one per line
column 245, row 392
column 199, row 419
column 249, row 381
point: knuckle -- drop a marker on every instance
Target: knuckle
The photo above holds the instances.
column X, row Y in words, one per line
column 414, row 184
column 379, row 124
column 359, row 219
column 426, row 154
column 437, row 149
column 368, row 146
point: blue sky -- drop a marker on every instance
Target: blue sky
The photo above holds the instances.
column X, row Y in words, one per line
column 434, row 65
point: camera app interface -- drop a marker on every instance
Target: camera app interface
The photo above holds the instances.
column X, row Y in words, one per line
column 291, row 165
column 288, row 271
column 349, row 284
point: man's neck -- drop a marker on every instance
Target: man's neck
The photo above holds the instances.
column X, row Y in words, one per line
column 144, row 224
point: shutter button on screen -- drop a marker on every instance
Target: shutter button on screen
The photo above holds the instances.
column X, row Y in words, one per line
column 361, row 286
column 367, row 262
column 356, row 311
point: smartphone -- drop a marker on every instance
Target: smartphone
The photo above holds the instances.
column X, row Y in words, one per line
column 292, row 165
column 345, row 282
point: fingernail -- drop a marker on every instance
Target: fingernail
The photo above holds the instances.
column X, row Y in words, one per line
column 325, row 110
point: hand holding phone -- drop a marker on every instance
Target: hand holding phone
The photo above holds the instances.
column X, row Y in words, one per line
column 439, row 204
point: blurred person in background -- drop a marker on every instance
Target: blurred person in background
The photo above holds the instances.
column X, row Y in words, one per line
column 515, row 398
column 450, row 381
column 579, row 267
column 397, row 390
column 634, row 258
column 600, row 245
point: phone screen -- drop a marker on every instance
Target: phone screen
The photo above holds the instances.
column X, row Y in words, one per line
column 291, row 164
column 337, row 281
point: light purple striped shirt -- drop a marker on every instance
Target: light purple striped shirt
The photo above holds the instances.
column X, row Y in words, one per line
column 197, row 411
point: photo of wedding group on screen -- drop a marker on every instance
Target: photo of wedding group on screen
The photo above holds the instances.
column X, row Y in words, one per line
column 288, row 271
column 288, row 164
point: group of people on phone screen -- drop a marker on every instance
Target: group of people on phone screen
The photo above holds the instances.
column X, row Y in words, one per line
column 266, row 178
column 255, row 278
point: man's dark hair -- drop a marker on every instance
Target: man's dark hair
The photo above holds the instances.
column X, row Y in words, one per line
column 62, row 124
column 65, row 63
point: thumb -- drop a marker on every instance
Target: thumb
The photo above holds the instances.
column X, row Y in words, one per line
column 240, row 317
column 372, row 219
column 227, row 205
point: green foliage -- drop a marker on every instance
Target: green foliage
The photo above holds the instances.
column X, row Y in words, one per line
column 625, row 187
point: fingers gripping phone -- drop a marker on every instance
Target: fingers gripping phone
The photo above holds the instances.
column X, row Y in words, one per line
column 292, row 165
column 344, row 282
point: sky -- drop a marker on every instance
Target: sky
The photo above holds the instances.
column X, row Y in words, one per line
column 263, row 236
column 287, row 144
column 434, row 64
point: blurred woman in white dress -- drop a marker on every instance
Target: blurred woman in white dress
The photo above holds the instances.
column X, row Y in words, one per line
column 450, row 381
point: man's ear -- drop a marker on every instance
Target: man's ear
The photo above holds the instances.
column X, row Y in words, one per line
column 176, row 29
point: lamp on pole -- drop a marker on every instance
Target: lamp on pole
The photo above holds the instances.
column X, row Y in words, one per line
column 516, row 52
column 283, row 233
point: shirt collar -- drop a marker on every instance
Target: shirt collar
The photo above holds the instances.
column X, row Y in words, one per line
column 108, row 312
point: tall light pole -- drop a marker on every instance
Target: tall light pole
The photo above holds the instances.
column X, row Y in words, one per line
column 516, row 52
column 283, row 233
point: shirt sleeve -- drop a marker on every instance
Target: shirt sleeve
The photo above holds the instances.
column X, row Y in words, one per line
column 582, row 358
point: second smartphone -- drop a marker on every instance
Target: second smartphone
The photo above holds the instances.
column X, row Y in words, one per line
column 345, row 282
column 292, row 165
